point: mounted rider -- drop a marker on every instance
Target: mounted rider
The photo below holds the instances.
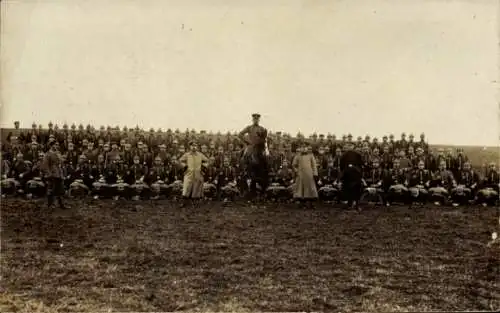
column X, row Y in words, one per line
column 257, row 138
column 255, row 156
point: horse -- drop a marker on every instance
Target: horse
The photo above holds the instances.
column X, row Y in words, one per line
column 255, row 164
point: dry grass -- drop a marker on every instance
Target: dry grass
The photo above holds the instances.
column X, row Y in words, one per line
column 158, row 258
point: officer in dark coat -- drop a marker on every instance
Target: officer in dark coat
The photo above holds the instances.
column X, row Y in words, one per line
column 351, row 164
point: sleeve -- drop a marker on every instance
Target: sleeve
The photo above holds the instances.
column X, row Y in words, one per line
column 244, row 131
column 183, row 159
column 314, row 165
column 46, row 164
column 295, row 162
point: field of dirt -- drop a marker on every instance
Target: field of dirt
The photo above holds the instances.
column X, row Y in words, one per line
column 136, row 256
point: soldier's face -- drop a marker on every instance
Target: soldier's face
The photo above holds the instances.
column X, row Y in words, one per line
column 182, row 149
column 421, row 165
column 136, row 160
column 128, row 146
column 396, row 165
column 226, row 163
column 321, row 151
column 375, row 151
column 386, row 149
column 204, row 149
column 100, row 158
column 466, row 166
column 90, row 145
column 163, row 149
column 106, row 147
column 122, row 142
column 212, row 146
column 114, row 147
column 70, row 147
column 157, row 162
column 410, row 150
column 376, row 164
column 255, row 120
column 442, row 165
column 221, row 150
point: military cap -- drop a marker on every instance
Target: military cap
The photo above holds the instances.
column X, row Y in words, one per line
column 89, row 127
column 151, row 130
column 256, row 115
column 50, row 124
column 102, row 127
column 125, row 128
column 73, row 126
column 159, row 130
column 391, row 136
column 56, row 126
column 403, row 134
column 108, row 128
column 349, row 136
column 177, row 131
column 33, row 125
column 412, row 136
column 321, row 136
column 203, row 131
column 360, row 138
column 65, row 126
column 385, row 137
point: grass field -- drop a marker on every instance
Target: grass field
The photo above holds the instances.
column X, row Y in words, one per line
column 142, row 257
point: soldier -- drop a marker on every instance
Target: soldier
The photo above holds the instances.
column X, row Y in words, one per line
column 193, row 162
column 423, row 144
column 404, row 162
column 328, row 185
column 226, row 182
column 418, row 182
column 35, row 187
column 306, row 169
column 441, row 184
column 402, row 144
column 157, row 178
column 54, row 175
column 395, row 189
column 82, row 178
column 488, row 193
column 460, row 160
column 467, row 183
column 20, row 172
column 373, row 182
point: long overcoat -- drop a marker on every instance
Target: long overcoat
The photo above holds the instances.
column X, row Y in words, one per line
column 306, row 168
column 193, row 177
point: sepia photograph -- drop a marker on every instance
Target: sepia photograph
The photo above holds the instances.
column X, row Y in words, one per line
column 249, row 156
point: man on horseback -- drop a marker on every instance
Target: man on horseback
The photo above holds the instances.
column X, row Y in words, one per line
column 255, row 154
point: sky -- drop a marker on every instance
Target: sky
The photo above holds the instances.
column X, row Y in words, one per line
column 362, row 67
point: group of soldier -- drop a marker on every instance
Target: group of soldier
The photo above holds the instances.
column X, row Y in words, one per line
column 136, row 164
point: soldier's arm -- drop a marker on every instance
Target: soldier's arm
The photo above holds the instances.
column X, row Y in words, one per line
column 242, row 133
column 314, row 166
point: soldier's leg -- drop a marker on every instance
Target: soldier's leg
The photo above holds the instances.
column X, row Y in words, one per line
column 50, row 192
column 60, row 192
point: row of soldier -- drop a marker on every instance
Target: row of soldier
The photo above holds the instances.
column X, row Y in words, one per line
column 118, row 169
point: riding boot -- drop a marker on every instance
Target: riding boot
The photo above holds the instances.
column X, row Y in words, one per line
column 50, row 200
column 61, row 203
